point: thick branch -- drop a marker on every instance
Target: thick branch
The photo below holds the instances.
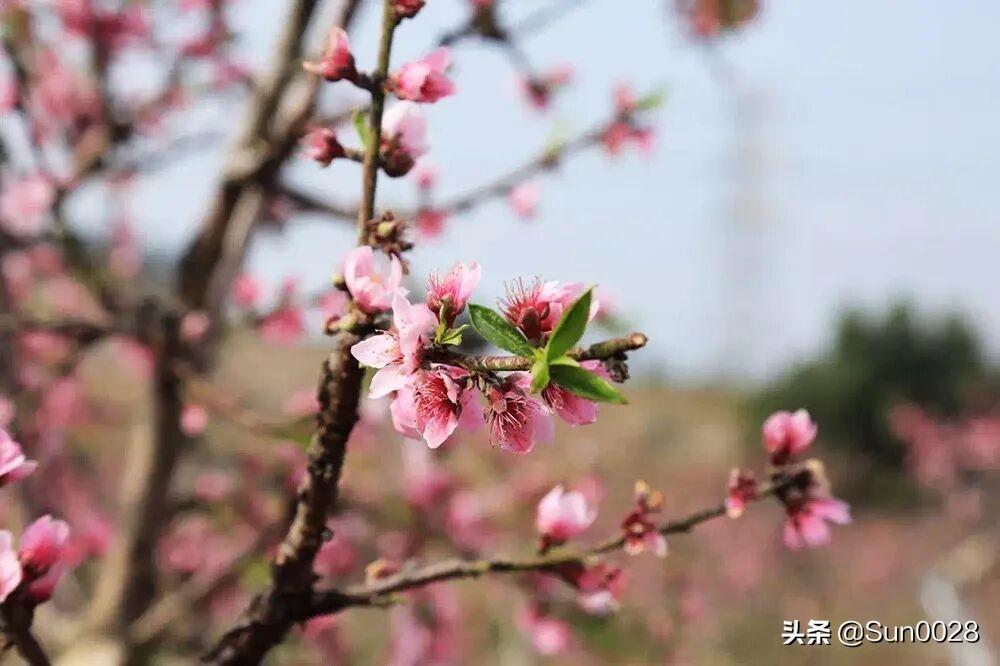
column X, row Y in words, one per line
column 272, row 613
column 378, row 593
column 599, row 351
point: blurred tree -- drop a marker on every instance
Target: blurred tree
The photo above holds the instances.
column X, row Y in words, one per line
column 873, row 364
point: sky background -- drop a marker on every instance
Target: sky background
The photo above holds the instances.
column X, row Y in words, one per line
column 851, row 158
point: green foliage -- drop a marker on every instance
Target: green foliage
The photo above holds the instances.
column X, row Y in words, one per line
column 570, row 328
column 497, row 330
column 585, row 384
column 872, row 365
column 360, row 120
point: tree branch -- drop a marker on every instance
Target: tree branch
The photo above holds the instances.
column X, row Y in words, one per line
column 599, row 351
column 271, row 614
column 378, row 593
column 17, row 620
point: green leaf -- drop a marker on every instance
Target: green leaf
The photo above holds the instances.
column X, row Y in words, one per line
column 360, row 119
column 570, row 328
column 539, row 375
column 585, row 384
column 651, row 101
column 452, row 336
column 494, row 328
column 565, row 360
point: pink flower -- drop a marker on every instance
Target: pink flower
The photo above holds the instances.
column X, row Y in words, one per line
column 447, row 296
column 194, row 326
column 570, row 407
column 641, row 533
column 322, row 145
column 396, row 352
column 407, row 8
column 285, row 326
column 515, row 419
column 337, row 62
column 441, row 405
column 404, row 138
column 524, row 199
column 537, row 307
column 247, row 291
column 194, row 420
column 43, row 546
column 14, row 466
column 563, row 515
column 424, row 80
column 25, row 205
column 403, row 412
column 742, row 489
column 806, row 522
column 10, row 567
column 787, row 435
column 549, row 636
column 371, row 291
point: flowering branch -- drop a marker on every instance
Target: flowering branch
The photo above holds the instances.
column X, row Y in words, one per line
column 270, row 615
column 378, row 593
column 597, row 352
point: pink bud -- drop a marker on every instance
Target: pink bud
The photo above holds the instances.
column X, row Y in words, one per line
column 452, row 291
column 407, row 8
column 424, row 80
column 322, row 145
column 43, row 545
column 787, row 435
column 337, row 62
column 404, row 138
column 563, row 515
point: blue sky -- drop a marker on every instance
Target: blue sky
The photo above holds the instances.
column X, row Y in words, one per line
column 855, row 161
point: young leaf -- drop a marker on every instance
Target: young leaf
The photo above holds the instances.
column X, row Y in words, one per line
column 452, row 336
column 539, row 375
column 565, row 360
column 585, row 384
column 651, row 100
column 570, row 328
column 494, row 328
column 360, row 120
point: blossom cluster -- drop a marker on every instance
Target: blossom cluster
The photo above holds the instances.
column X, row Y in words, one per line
column 809, row 506
column 431, row 399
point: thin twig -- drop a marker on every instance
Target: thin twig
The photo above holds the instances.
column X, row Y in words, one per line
column 379, row 593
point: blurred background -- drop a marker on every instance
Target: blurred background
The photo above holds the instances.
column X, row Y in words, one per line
column 814, row 228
